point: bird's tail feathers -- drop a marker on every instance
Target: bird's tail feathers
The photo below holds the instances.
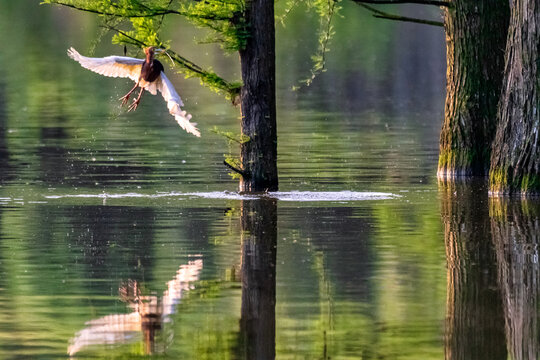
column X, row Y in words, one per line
column 182, row 118
column 184, row 123
column 174, row 103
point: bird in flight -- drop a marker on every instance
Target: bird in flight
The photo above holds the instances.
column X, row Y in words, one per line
column 148, row 75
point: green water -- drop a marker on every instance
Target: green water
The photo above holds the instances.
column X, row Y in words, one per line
column 122, row 237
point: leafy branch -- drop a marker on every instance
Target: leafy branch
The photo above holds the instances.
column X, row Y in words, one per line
column 224, row 17
column 231, row 90
column 289, row 6
column 231, row 161
column 230, row 136
column 108, row 8
column 146, row 18
column 326, row 10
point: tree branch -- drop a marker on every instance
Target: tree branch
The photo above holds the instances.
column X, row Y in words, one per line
column 183, row 61
column 207, row 77
column 163, row 16
column 383, row 15
column 236, row 170
column 156, row 12
column 138, row 14
column 413, row 20
column 420, row 2
column 137, row 9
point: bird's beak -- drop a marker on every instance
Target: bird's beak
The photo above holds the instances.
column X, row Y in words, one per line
column 158, row 51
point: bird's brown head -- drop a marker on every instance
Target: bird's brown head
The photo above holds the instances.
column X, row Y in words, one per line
column 149, row 51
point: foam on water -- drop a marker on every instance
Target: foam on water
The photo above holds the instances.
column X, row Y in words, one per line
column 331, row 195
column 300, row 196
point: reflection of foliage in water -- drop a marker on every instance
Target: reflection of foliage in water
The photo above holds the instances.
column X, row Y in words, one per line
column 62, row 125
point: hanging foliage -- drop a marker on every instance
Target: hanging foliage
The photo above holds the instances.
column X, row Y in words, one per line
column 140, row 23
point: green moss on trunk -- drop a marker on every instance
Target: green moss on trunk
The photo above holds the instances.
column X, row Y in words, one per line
column 458, row 162
column 475, row 37
column 503, row 182
column 515, row 163
column 499, row 179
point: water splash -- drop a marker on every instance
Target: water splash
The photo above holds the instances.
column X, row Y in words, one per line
column 300, row 196
column 331, row 195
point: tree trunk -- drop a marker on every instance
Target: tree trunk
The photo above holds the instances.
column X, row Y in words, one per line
column 515, row 226
column 258, row 99
column 474, row 320
column 515, row 163
column 475, row 38
column 5, row 169
column 259, row 241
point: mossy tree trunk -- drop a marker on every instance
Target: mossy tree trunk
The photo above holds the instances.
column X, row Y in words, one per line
column 515, row 163
column 258, row 100
column 474, row 320
column 475, row 41
column 258, row 310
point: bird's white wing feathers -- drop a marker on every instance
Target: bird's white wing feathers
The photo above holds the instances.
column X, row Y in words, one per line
column 121, row 66
column 112, row 66
column 174, row 104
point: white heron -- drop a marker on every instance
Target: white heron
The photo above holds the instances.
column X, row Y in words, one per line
column 148, row 74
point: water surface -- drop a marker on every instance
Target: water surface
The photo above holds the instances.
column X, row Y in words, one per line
column 123, row 237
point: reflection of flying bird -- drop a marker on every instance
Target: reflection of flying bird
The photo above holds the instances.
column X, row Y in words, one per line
column 148, row 75
column 149, row 313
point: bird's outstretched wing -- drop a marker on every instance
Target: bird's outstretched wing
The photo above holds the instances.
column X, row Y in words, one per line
column 121, row 66
column 174, row 104
column 113, row 66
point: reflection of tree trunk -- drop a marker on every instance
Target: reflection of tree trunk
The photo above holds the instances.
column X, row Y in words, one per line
column 4, row 154
column 515, row 226
column 150, row 324
column 474, row 321
column 259, row 239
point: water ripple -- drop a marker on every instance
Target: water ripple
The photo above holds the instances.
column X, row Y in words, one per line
column 331, row 195
column 301, row 196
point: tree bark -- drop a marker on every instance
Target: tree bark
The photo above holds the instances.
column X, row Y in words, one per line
column 5, row 169
column 515, row 226
column 259, row 242
column 515, row 163
column 475, row 38
column 258, row 100
column 474, row 321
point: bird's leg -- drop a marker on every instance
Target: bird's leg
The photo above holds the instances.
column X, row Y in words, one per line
column 135, row 103
column 125, row 98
